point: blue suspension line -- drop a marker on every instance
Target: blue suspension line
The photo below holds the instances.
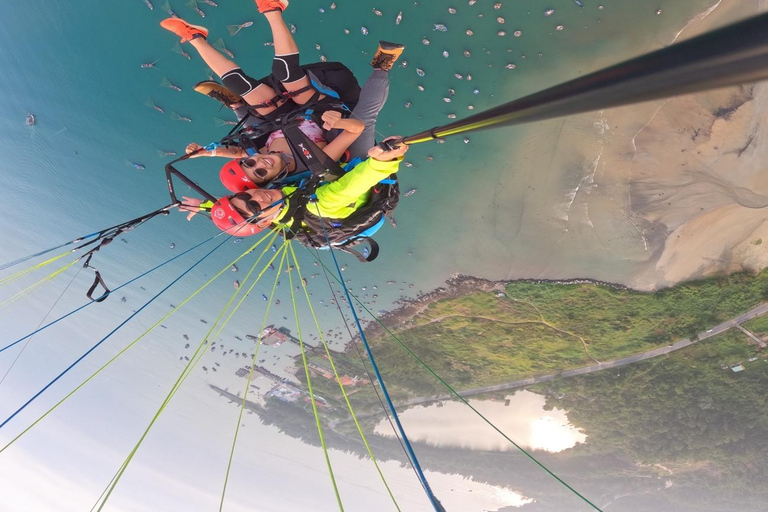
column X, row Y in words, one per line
column 411, row 454
column 9, row 418
column 114, row 290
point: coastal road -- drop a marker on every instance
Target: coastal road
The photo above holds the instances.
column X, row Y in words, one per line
column 650, row 354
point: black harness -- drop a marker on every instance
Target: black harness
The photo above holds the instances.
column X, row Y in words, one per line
column 343, row 234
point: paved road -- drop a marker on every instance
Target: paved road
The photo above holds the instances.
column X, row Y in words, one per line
column 733, row 322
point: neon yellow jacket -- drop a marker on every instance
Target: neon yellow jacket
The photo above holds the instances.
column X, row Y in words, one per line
column 339, row 199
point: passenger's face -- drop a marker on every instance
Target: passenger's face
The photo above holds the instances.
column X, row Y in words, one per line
column 262, row 168
column 243, row 202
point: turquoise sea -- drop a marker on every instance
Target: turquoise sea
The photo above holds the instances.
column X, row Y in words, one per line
column 77, row 68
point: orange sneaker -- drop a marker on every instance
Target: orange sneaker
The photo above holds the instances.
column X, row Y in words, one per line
column 271, row 5
column 186, row 31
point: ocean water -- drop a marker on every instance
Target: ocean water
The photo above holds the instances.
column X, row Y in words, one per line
column 77, row 69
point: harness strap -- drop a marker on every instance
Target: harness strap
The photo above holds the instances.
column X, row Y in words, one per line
column 314, row 158
column 287, row 95
column 297, row 207
column 372, row 254
column 98, row 280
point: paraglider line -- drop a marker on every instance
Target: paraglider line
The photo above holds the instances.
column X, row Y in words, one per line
column 412, row 455
column 86, row 353
column 338, row 380
column 114, row 290
column 186, row 372
column 312, row 394
column 253, row 364
column 362, row 360
column 41, row 323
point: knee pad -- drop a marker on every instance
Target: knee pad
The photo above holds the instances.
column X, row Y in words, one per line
column 286, row 68
column 238, row 82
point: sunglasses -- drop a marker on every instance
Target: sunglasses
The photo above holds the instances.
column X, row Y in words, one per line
column 250, row 203
column 250, row 163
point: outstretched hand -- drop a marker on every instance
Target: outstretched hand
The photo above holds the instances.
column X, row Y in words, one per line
column 191, row 205
column 191, row 148
column 385, row 156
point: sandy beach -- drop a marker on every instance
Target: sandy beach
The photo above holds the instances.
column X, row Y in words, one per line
column 692, row 178
column 674, row 189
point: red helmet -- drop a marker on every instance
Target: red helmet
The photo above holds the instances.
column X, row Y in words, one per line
column 234, row 178
column 228, row 219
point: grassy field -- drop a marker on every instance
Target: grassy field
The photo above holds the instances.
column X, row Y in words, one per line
column 481, row 339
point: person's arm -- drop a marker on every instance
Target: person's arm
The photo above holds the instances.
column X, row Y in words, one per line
column 222, row 151
column 340, row 194
column 352, row 129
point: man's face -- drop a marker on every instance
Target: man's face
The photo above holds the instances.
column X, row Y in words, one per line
column 264, row 198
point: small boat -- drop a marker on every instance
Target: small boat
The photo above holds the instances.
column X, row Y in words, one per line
column 193, row 5
column 167, row 83
column 234, row 29
column 410, row 192
column 177, row 117
column 151, row 104
column 264, row 297
column 139, row 167
column 30, row 120
column 579, row 3
column 178, row 49
column 399, row 18
column 167, row 8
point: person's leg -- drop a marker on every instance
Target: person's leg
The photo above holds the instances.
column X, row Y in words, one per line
column 373, row 96
column 218, row 63
column 253, row 91
column 286, row 63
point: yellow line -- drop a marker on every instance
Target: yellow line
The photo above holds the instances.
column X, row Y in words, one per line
column 341, row 386
column 311, row 392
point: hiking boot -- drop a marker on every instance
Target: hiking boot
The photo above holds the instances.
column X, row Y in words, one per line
column 386, row 55
column 218, row 92
column 186, row 31
column 271, row 5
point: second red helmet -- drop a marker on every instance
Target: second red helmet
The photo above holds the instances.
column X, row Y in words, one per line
column 234, row 178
